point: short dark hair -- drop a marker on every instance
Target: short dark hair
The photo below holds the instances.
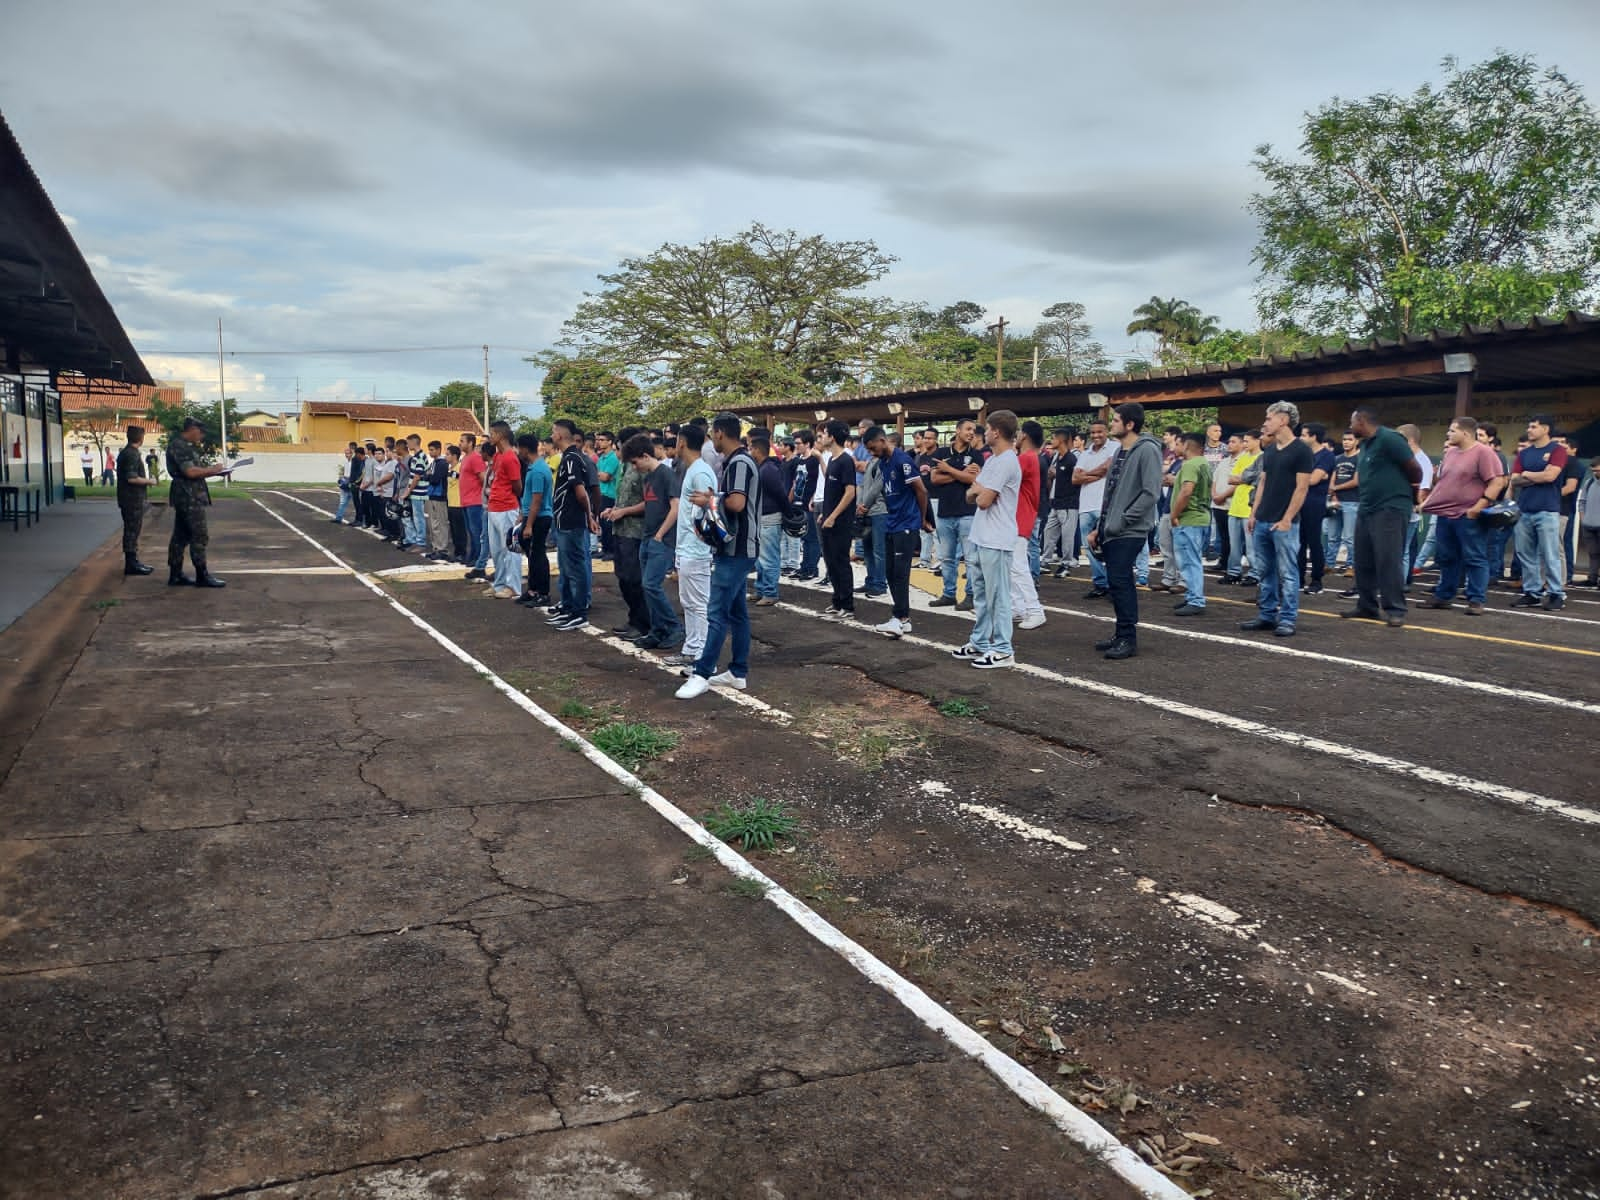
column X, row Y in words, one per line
column 1177, row 429
column 758, row 437
column 1132, row 414
column 497, row 427
column 1004, row 422
column 873, row 433
column 1034, row 432
column 1064, row 431
column 1544, row 419
column 566, row 423
column 606, row 433
column 699, row 422
column 932, row 430
column 837, row 430
column 1489, row 431
column 638, row 446
column 626, row 432
column 806, row 436
column 136, row 433
column 1197, row 440
column 1367, row 413
column 1316, row 429
column 436, row 445
column 526, row 441
column 193, row 423
column 693, row 436
column 727, row 425
column 452, row 448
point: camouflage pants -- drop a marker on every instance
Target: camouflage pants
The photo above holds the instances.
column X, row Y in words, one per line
column 188, row 529
column 132, row 523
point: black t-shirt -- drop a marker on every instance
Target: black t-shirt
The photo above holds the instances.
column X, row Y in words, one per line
column 1063, row 493
column 571, row 471
column 660, row 489
column 774, row 489
column 952, row 497
column 841, row 474
column 1344, row 470
column 925, row 469
column 1278, row 470
column 1569, row 503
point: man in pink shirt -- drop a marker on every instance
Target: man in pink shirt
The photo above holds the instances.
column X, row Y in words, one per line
column 472, row 469
column 1470, row 477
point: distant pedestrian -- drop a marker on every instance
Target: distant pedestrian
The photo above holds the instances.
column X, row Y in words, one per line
column 1274, row 524
column 1191, row 522
column 1469, row 480
column 1538, row 477
column 1127, row 515
column 1387, row 474
column 992, row 544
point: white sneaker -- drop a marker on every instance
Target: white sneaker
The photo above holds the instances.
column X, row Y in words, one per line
column 1032, row 621
column 967, row 651
column 697, row 685
column 891, row 627
column 989, row 662
column 726, row 679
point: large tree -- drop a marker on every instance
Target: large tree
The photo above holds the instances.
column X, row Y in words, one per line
column 765, row 313
column 1475, row 200
column 460, row 393
column 1067, row 346
column 1174, row 322
column 594, row 394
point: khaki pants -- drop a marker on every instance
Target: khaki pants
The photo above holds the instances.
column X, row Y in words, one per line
column 438, row 514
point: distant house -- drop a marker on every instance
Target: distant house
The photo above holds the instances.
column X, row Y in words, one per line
column 96, row 411
column 337, row 422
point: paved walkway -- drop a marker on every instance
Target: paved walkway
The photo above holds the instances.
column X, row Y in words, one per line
column 293, row 903
column 35, row 559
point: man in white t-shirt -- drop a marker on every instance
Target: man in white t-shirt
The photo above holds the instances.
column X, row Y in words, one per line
column 991, row 544
column 1413, row 437
column 1090, row 476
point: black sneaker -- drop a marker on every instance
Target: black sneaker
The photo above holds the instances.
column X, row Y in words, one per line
column 964, row 604
column 1105, row 645
column 1121, row 648
column 1096, row 594
column 1555, row 603
column 574, row 622
column 1528, row 600
column 1349, row 593
column 1315, row 589
column 942, row 602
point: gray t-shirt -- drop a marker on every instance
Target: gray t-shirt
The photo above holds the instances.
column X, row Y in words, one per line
column 995, row 527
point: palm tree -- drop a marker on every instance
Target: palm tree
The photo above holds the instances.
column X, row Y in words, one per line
column 1174, row 322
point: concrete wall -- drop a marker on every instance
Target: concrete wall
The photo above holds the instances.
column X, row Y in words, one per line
column 290, row 464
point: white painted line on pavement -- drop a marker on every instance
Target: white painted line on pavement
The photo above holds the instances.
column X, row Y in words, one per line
column 285, row 571
column 776, row 715
column 1348, row 754
column 1072, row 1121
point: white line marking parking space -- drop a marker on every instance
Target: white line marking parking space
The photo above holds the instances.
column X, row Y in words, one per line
column 1351, row 755
column 1023, row 1083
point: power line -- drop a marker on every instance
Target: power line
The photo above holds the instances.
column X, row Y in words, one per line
column 357, row 350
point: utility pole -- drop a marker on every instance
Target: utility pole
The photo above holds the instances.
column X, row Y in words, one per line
column 222, row 394
column 1036, row 362
column 486, row 388
column 999, row 330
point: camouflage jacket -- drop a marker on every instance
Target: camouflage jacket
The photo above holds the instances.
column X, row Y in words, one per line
column 185, row 493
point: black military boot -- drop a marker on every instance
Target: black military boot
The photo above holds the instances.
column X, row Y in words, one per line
column 204, row 578
column 175, row 575
column 134, row 567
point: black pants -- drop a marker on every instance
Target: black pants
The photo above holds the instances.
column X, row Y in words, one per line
column 836, row 558
column 900, row 551
column 630, row 582
column 538, row 558
column 1224, row 540
column 1381, row 560
column 458, row 532
column 1120, row 555
column 1311, row 514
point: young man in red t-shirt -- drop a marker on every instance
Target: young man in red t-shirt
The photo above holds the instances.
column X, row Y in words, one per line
column 471, row 481
column 504, row 504
column 1025, row 606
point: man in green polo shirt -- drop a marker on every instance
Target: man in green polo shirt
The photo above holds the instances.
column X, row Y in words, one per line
column 1386, row 477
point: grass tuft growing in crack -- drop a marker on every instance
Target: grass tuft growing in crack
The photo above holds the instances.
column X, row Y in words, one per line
column 960, row 706
column 574, row 710
column 746, row 889
column 755, row 825
column 633, row 744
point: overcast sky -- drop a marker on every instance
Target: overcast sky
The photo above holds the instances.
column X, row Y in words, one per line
column 400, row 173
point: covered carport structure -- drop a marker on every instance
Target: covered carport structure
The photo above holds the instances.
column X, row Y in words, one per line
column 1498, row 373
column 54, row 319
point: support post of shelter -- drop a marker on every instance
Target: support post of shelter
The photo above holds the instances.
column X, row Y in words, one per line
column 1463, row 394
column 900, row 425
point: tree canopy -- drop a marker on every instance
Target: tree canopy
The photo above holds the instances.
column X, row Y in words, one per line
column 460, row 393
column 1174, row 322
column 169, row 418
column 1472, row 201
column 733, row 319
column 595, row 394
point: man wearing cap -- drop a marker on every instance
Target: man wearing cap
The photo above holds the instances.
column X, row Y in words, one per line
column 189, row 497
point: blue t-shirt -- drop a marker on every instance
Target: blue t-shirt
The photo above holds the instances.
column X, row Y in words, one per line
column 1541, row 497
column 898, row 473
column 1322, row 460
column 536, row 478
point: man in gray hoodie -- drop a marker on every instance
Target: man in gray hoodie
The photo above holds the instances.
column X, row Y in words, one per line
column 1127, row 515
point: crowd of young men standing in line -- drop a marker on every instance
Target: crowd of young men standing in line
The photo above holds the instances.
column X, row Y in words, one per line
column 715, row 506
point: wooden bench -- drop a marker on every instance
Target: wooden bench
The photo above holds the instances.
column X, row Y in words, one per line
column 20, row 500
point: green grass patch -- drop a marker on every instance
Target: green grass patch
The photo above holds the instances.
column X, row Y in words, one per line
column 574, row 710
column 757, row 824
column 697, row 853
column 960, row 706
column 746, row 889
column 102, row 605
column 633, row 744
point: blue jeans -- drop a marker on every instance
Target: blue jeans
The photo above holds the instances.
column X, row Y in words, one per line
column 770, row 561
column 507, row 554
column 344, row 504
column 1339, row 529
column 726, row 613
column 1276, row 559
column 419, row 521
column 1189, row 543
column 873, row 551
column 1087, row 522
column 1412, row 530
column 1461, row 546
column 1499, row 539
column 989, row 580
column 810, row 546
column 655, row 560
column 572, row 560
column 954, row 533
column 1238, row 539
column 477, row 544
column 1539, row 548
column 1035, row 548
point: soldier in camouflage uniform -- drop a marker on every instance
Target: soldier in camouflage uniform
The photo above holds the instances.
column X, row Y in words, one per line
column 189, row 498
column 132, row 494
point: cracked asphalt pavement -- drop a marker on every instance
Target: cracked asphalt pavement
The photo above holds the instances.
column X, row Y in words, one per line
column 293, row 904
